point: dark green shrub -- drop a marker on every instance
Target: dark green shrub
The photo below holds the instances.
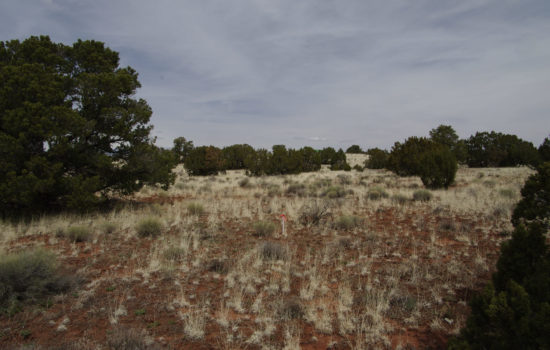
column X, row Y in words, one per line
column 205, row 160
column 354, row 149
column 513, row 311
column 535, row 202
column 264, row 228
column 500, row 150
column 437, row 168
column 29, row 277
column 182, row 148
column 235, row 156
column 72, row 132
column 544, row 150
column 377, row 158
column 149, row 227
column 422, row 195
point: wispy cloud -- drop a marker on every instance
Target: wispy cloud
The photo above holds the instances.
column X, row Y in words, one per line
column 364, row 72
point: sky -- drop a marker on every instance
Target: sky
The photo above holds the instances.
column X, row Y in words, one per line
column 317, row 72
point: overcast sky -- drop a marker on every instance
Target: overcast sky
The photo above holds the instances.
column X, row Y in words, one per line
column 317, row 72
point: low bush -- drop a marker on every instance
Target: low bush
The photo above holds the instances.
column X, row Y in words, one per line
column 79, row 233
column 296, row 189
column 376, row 193
column 334, row 192
column 29, row 276
column 273, row 251
column 174, row 253
column 195, row 209
column 313, row 213
column 149, row 227
column 422, row 195
column 264, row 228
column 348, row 222
column 399, row 199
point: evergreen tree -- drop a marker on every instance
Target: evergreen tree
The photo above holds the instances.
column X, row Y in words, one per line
column 70, row 127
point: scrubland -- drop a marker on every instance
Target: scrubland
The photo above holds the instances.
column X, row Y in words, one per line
column 368, row 260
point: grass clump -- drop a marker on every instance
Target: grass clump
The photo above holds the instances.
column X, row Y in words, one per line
column 377, row 193
column 149, row 227
column 334, row 192
column 399, row 199
column 108, row 227
column 28, row 276
column 195, row 209
column 296, row 189
column 77, row 233
column 245, row 182
column 422, row 196
column 348, row 222
column 273, row 251
column 507, row 193
column 174, row 253
column 264, row 228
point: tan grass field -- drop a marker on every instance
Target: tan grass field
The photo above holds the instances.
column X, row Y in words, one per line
column 362, row 265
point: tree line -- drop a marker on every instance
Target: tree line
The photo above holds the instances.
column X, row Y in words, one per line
column 280, row 160
column 73, row 135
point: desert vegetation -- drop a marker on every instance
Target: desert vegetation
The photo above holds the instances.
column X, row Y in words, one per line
column 108, row 241
column 188, row 267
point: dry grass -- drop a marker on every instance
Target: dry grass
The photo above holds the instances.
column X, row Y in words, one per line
column 365, row 266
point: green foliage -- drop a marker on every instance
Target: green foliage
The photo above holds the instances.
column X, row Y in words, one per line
column 544, row 150
column 282, row 161
column 149, row 227
column 204, row 160
column 535, row 202
column 28, row 276
column 264, row 228
column 446, row 135
column 422, row 195
column 437, row 168
column 182, row 148
column 377, row 159
column 70, row 128
column 354, row 149
column 327, row 155
column 433, row 162
column 377, row 193
column 235, row 156
column 500, row 150
column 513, row 312
column 338, row 162
column 334, row 192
